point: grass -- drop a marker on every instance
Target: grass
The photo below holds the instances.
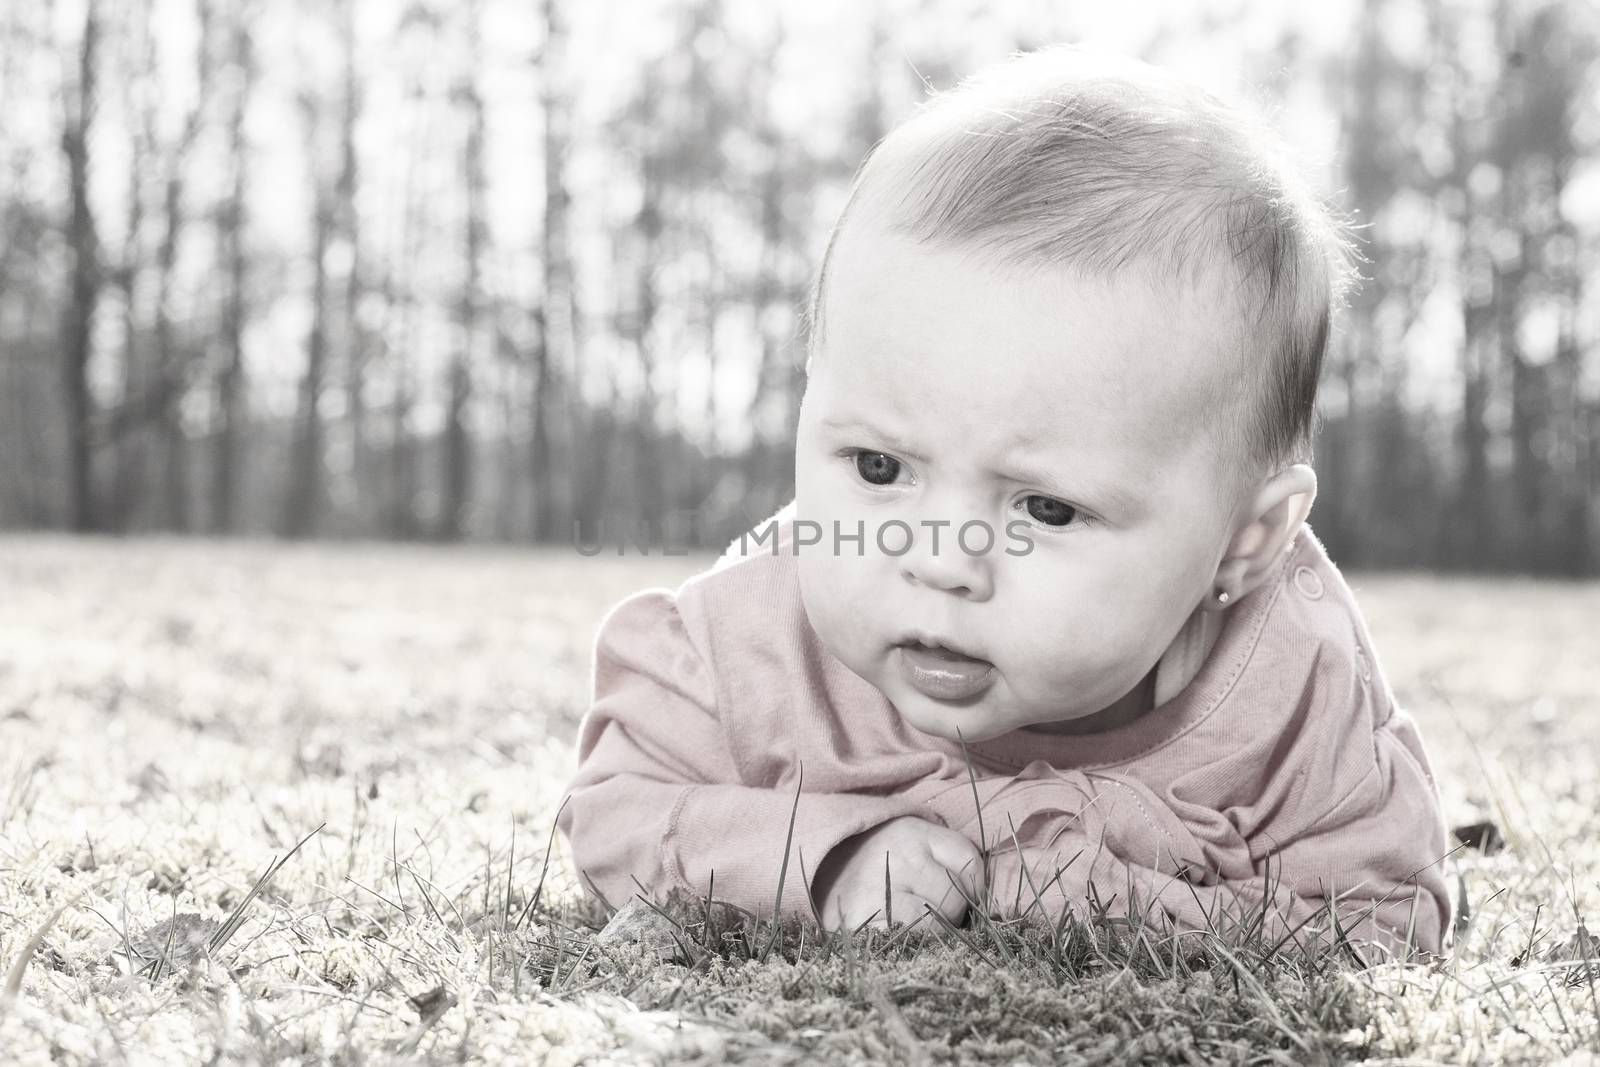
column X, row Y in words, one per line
column 179, row 718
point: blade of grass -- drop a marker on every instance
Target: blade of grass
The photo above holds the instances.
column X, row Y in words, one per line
column 977, row 804
column 14, row 974
column 158, row 968
column 544, row 867
column 235, row 919
column 511, row 859
column 783, row 871
column 394, row 864
column 888, row 885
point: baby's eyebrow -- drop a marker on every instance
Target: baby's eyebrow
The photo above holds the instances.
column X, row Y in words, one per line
column 1097, row 494
column 848, row 423
column 852, row 424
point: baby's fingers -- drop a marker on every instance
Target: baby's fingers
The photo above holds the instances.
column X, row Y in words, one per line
column 902, row 908
column 929, row 883
column 958, row 855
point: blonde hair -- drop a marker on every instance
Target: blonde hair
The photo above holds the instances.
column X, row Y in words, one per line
column 1068, row 158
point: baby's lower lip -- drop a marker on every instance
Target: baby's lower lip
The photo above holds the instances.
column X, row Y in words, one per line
column 944, row 675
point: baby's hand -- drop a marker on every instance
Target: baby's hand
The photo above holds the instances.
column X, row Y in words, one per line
column 926, row 863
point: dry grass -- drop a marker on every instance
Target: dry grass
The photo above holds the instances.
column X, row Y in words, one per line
column 176, row 715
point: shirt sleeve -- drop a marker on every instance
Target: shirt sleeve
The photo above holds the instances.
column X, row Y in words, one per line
column 658, row 801
column 1061, row 840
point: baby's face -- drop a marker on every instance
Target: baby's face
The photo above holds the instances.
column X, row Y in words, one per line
column 1068, row 413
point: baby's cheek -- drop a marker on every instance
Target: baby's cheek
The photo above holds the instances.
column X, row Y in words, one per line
column 1057, row 655
column 834, row 604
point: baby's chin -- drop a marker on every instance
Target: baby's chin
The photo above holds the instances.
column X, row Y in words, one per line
column 983, row 719
column 953, row 722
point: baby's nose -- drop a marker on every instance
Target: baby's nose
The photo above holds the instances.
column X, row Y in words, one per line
column 948, row 567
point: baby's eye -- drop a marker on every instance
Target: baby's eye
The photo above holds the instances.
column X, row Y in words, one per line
column 877, row 468
column 1050, row 511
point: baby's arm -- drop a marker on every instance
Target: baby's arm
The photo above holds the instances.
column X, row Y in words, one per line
column 658, row 796
column 1081, row 838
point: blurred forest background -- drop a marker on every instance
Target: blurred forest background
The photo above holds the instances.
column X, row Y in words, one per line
column 481, row 269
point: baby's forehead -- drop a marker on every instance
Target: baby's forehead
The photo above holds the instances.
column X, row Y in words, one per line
column 884, row 281
column 921, row 328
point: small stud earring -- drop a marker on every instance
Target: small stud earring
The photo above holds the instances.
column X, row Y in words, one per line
column 1222, row 596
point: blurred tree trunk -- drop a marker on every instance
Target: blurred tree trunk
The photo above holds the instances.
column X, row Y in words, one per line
column 78, row 320
column 175, row 366
column 401, row 516
column 1472, row 503
column 134, row 405
column 773, row 379
column 596, row 462
column 1577, row 441
column 30, row 478
column 400, row 290
column 1470, row 516
column 647, row 224
column 335, row 328
column 703, row 477
column 718, row 81
column 1581, row 532
column 511, row 467
column 457, row 473
column 594, row 459
column 556, row 320
column 235, row 265
column 1369, row 173
column 1510, row 256
column 349, row 226
column 1524, row 535
column 1580, row 557
column 303, row 500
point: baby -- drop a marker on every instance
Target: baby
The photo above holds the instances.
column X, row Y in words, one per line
column 1051, row 484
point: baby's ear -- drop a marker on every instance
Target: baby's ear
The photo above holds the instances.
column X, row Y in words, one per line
column 1275, row 515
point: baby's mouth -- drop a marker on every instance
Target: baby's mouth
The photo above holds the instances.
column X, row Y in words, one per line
column 943, row 673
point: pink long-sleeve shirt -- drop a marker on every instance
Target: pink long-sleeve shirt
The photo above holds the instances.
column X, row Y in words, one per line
column 1274, row 775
